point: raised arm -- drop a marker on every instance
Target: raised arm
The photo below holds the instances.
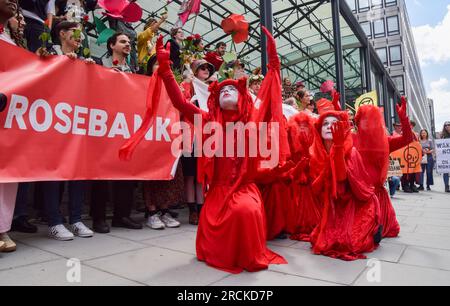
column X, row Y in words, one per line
column 274, row 60
column 339, row 135
column 398, row 142
column 176, row 96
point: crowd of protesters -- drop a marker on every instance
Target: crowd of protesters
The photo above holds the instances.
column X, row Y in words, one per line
column 22, row 23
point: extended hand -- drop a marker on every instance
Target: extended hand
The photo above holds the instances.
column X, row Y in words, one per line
column 339, row 133
column 402, row 109
column 162, row 54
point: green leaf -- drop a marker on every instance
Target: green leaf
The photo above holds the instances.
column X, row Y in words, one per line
column 77, row 34
column 99, row 25
column 86, row 52
column 104, row 36
column 44, row 37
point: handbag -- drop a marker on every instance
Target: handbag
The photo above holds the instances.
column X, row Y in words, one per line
column 424, row 159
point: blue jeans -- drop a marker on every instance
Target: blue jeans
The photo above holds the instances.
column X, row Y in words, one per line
column 428, row 169
column 394, row 183
column 52, row 200
column 446, row 179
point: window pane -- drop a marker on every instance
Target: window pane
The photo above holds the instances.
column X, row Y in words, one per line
column 377, row 3
column 378, row 28
column 393, row 25
column 352, row 5
column 390, row 2
column 395, row 54
column 367, row 29
column 382, row 54
column 363, row 5
column 399, row 83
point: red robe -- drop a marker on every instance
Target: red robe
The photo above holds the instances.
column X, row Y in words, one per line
column 232, row 233
column 278, row 198
column 350, row 217
column 305, row 211
column 375, row 146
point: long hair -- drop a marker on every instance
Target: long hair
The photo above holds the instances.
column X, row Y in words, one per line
column 16, row 35
column 445, row 134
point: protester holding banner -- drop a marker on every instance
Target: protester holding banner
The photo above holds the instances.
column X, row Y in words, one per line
column 427, row 160
column 8, row 191
column 67, row 38
column 119, row 48
column 446, row 135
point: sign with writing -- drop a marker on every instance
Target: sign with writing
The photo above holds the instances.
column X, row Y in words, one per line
column 410, row 158
column 443, row 156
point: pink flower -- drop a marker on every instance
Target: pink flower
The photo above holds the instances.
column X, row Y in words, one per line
column 197, row 37
column 327, row 86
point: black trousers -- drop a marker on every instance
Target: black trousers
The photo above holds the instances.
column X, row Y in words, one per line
column 122, row 198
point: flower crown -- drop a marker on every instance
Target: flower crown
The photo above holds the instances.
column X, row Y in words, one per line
column 255, row 78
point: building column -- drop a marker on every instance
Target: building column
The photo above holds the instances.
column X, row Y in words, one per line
column 338, row 53
column 266, row 17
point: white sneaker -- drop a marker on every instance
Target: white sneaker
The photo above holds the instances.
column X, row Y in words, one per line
column 169, row 222
column 60, row 232
column 81, row 230
column 154, row 222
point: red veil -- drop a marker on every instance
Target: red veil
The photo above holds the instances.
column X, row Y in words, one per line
column 372, row 143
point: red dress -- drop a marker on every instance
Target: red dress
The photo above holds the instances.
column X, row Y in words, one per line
column 232, row 233
column 278, row 199
column 375, row 146
column 304, row 213
column 350, row 217
column 232, row 236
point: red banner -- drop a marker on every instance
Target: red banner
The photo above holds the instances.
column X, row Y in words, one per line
column 66, row 120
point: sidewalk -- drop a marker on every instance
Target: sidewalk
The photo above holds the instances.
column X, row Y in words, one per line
column 420, row 256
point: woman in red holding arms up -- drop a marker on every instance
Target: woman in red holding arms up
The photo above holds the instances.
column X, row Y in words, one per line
column 231, row 234
column 375, row 145
column 349, row 224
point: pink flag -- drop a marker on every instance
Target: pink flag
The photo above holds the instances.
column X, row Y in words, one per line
column 188, row 8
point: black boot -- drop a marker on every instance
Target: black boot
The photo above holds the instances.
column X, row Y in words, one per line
column 100, row 226
column 447, row 188
column 379, row 235
column 22, row 225
column 421, row 188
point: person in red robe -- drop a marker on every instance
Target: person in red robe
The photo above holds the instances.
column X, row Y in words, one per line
column 305, row 211
column 375, row 145
column 232, row 233
column 349, row 225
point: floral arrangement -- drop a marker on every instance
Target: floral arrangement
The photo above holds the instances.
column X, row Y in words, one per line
column 192, row 49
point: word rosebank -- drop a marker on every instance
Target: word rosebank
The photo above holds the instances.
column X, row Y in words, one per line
column 77, row 120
